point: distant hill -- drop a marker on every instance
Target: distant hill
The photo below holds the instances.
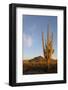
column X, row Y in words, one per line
column 37, row 58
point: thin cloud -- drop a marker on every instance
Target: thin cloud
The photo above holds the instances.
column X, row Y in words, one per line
column 28, row 40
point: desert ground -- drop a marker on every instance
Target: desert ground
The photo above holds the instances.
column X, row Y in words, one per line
column 39, row 65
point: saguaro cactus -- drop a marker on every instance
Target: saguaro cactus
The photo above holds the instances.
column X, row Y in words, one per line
column 48, row 47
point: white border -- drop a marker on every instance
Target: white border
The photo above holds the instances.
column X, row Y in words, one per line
column 41, row 77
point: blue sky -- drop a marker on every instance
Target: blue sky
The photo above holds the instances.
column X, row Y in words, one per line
column 33, row 26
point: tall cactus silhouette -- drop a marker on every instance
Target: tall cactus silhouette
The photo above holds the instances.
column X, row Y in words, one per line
column 48, row 46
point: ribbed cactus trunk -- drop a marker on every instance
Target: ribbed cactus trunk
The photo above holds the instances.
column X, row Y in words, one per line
column 43, row 44
column 49, row 45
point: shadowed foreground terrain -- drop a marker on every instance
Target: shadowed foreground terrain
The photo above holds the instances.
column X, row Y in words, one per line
column 38, row 65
